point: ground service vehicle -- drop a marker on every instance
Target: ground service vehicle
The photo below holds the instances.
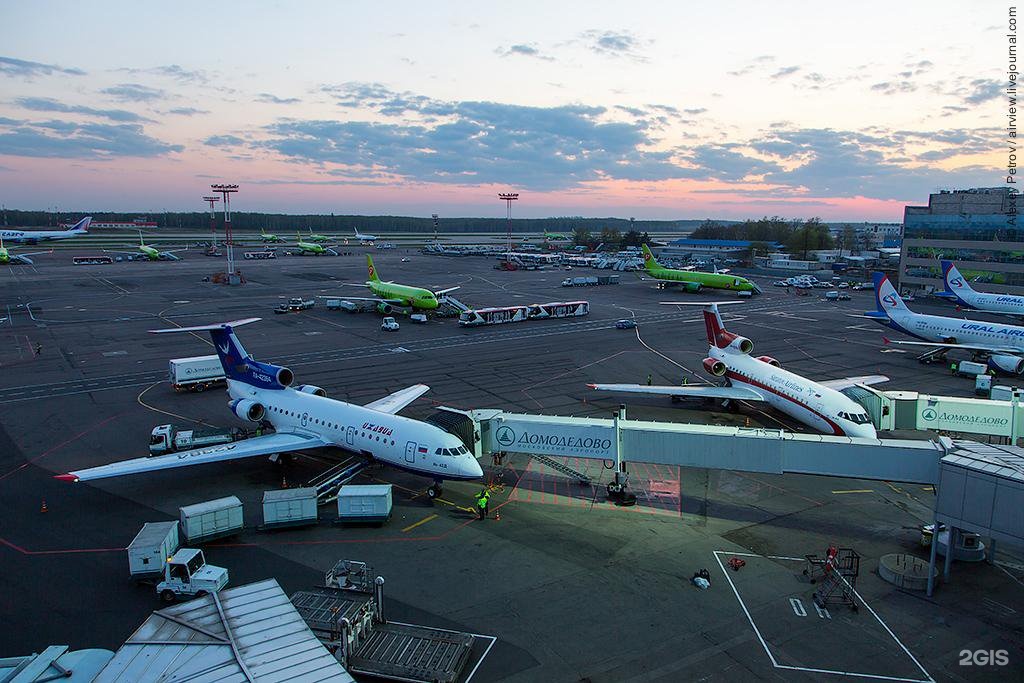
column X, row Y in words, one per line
column 186, row 574
column 171, row 438
column 197, row 373
column 388, row 324
column 300, row 304
column 149, row 550
column 625, row 324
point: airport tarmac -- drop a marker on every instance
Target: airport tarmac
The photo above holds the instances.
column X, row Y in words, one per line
column 572, row 587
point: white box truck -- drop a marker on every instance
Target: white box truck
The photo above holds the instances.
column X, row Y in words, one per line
column 149, row 550
column 289, row 508
column 198, row 373
column 364, row 503
column 204, row 522
column 171, row 438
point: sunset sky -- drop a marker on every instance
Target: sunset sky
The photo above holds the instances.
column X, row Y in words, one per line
column 656, row 110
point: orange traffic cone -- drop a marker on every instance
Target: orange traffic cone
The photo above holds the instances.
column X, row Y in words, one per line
column 44, row 508
column 284, row 482
column 497, row 515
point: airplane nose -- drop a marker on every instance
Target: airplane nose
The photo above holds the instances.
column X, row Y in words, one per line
column 473, row 468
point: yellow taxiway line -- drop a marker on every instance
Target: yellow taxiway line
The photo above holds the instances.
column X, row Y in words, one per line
column 422, row 521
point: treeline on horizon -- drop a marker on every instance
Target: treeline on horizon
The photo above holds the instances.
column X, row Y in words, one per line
column 798, row 236
column 271, row 222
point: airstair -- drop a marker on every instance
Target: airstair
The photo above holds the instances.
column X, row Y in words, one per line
column 453, row 303
column 328, row 482
column 563, row 468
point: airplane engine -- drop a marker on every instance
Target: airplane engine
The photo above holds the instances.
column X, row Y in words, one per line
column 384, row 308
column 714, row 367
column 247, row 409
column 770, row 361
column 1013, row 365
column 693, row 287
column 735, row 341
column 312, row 389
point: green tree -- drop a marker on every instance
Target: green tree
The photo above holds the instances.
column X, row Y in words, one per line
column 581, row 237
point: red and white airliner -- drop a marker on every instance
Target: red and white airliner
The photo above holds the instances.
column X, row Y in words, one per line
column 816, row 404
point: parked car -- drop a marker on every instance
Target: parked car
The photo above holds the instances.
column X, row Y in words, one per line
column 625, row 324
column 388, row 324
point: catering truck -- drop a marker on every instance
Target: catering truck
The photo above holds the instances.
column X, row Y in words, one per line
column 198, row 373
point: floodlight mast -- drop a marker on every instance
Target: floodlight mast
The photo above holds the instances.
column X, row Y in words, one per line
column 213, row 220
column 226, row 191
column 508, row 198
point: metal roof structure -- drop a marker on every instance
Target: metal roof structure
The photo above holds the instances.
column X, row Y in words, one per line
column 247, row 633
column 56, row 662
column 981, row 489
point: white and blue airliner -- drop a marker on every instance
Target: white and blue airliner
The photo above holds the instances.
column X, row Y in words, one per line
column 304, row 417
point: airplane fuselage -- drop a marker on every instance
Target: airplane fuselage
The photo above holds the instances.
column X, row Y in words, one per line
column 417, row 297
column 812, row 404
column 33, row 236
column 392, row 439
column 993, row 303
column 942, row 329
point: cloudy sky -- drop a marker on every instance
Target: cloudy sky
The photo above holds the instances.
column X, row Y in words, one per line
column 647, row 109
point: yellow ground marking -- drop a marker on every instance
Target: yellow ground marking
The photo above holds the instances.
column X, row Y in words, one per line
column 856, row 491
column 422, row 521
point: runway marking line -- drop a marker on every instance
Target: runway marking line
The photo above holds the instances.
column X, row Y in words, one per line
column 928, row 678
column 422, row 521
column 856, row 491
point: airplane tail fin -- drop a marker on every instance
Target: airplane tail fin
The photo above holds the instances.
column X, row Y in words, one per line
column 649, row 260
column 713, row 325
column 237, row 363
column 370, row 269
column 81, row 226
column 887, row 299
column 955, row 283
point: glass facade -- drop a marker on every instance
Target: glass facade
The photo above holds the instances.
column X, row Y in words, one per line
column 977, row 229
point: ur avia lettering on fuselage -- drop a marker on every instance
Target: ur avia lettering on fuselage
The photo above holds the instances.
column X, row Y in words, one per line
column 304, row 418
column 694, row 281
column 1003, row 345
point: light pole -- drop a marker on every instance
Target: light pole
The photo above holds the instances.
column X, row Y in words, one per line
column 213, row 221
column 434, row 216
column 508, row 198
column 226, row 191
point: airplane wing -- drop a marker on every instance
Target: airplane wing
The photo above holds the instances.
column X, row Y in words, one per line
column 844, row 382
column 969, row 347
column 35, row 253
column 173, row 251
column 445, row 291
column 735, row 393
column 392, row 403
column 397, row 302
column 260, row 445
column 126, row 253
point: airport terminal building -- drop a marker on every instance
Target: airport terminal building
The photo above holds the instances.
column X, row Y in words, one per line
column 977, row 228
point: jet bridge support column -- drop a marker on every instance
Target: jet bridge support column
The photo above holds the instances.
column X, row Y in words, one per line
column 618, row 488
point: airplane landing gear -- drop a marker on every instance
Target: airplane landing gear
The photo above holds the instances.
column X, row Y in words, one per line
column 435, row 490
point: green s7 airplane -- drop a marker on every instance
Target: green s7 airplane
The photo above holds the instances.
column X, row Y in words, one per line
column 390, row 294
column 7, row 258
column 268, row 237
column 310, row 248
column 313, row 237
column 149, row 252
column 695, row 281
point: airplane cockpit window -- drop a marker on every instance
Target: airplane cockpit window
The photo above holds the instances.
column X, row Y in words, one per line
column 437, row 452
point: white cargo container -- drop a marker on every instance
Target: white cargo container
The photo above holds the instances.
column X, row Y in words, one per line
column 213, row 519
column 194, row 374
column 149, row 550
column 364, row 503
column 289, row 507
column 968, row 368
column 1004, row 393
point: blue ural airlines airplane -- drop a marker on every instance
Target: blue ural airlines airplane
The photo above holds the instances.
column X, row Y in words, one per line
column 303, row 417
column 34, row 236
column 960, row 291
column 1003, row 345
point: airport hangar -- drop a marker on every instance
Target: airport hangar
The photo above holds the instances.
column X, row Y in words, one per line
column 557, row 549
